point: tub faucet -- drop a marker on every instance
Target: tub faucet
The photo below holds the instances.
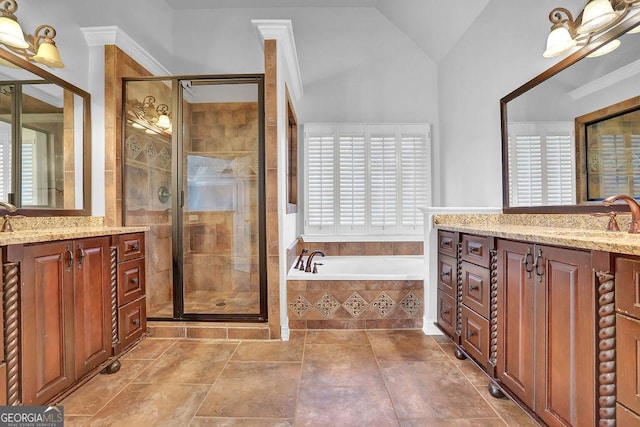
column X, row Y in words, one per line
column 307, row 269
column 633, row 206
column 300, row 262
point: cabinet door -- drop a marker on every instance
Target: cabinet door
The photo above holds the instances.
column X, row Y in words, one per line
column 516, row 351
column 46, row 327
column 92, row 300
column 628, row 361
column 565, row 334
column 447, row 313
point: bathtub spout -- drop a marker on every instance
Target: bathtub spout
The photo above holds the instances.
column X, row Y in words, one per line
column 300, row 262
column 310, row 260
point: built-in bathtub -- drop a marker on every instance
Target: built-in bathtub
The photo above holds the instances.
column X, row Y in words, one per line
column 370, row 267
column 358, row 292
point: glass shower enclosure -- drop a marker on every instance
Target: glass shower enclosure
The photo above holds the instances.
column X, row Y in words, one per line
column 193, row 172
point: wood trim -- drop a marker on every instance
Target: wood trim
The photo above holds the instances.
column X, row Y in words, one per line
column 493, row 311
column 607, row 349
column 459, row 291
column 11, row 331
column 114, row 294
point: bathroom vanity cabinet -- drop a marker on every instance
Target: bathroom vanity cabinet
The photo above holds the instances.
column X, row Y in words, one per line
column 528, row 315
column 67, row 315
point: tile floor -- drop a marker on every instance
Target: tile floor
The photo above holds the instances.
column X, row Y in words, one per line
column 318, row 378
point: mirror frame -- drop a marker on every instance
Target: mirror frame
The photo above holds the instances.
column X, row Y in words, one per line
column 86, row 138
column 576, row 56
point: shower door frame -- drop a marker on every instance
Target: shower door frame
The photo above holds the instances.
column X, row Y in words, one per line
column 177, row 203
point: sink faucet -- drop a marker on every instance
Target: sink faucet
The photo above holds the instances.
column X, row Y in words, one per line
column 310, row 260
column 8, row 206
column 633, row 206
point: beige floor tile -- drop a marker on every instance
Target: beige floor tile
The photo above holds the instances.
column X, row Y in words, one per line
column 508, row 410
column 99, row 390
column 272, row 351
column 433, row 390
column 149, row 348
column 153, row 405
column 254, row 389
column 76, row 420
column 460, row 422
column 340, row 365
column 337, row 337
column 394, row 345
column 189, row 362
column 345, row 406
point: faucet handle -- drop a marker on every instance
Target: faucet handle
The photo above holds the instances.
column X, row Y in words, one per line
column 315, row 267
column 613, row 224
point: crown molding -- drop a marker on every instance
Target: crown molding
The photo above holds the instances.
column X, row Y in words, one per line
column 282, row 31
column 607, row 80
column 113, row 35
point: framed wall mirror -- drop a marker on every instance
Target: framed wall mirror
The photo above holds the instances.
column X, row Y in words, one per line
column 45, row 147
column 548, row 163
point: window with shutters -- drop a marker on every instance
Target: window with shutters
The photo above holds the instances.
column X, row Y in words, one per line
column 541, row 164
column 366, row 179
column 5, row 159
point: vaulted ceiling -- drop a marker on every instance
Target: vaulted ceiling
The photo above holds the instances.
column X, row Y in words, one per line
column 435, row 26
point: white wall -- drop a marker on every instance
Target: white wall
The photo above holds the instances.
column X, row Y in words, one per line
column 500, row 52
column 356, row 66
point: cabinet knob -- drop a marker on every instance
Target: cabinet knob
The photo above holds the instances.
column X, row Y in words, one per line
column 475, row 250
column 135, row 280
column 445, row 312
column 135, row 247
column 136, row 322
column 444, row 274
column 473, row 288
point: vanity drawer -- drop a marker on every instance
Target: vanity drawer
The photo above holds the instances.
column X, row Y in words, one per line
column 447, row 313
column 476, row 249
column 626, row 418
column 475, row 288
column 130, row 281
column 447, row 243
column 132, row 322
column 130, row 246
column 628, row 361
column 475, row 335
column 628, row 286
column 447, row 274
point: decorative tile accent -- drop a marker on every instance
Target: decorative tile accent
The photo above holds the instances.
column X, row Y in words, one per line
column 300, row 305
column 411, row 304
column 355, row 304
column 383, row 304
column 133, row 147
column 328, row 304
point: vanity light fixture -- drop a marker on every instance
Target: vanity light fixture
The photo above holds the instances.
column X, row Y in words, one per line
column 597, row 17
column 37, row 47
column 148, row 114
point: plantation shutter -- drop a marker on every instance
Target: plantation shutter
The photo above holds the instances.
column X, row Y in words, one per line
column 319, row 161
column 28, row 174
column 635, row 163
column 352, row 179
column 541, row 164
column 366, row 179
column 383, row 179
column 5, row 159
column 613, row 176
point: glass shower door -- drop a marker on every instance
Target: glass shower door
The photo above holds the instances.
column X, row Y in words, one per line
column 220, row 218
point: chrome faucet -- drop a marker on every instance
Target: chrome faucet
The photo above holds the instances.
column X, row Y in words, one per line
column 300, row 262
column 307, row 269
column 8, row 206
column 633, row 206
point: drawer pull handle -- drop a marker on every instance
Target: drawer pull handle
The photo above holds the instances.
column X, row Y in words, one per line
column 136, row 322
column 444, row 274
column 135, row 247
column 537, row 267
column 475, row 250
column 473, row 288
column 445, row 243
column 135, row 280
column 471, row 334
column 445, row 312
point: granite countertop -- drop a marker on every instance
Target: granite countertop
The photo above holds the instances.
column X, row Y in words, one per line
column 47, row 229
column 574, row 231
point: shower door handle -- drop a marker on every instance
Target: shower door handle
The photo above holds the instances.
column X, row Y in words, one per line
column 182, row 198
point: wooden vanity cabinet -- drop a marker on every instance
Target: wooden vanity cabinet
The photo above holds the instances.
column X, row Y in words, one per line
column 65, row 323
column 546, row 330
column 448, row 284
column 627, row 302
